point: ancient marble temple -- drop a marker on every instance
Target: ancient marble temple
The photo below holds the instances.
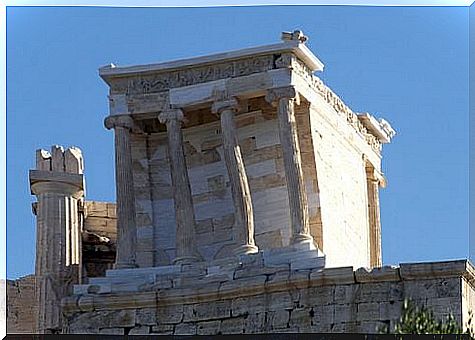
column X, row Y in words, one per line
column 240, row 153
column 247, row 191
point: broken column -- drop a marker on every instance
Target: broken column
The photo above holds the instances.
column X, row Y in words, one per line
column 58, row 184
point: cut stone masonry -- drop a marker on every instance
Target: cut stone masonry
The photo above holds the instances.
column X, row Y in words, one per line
column 249, row 296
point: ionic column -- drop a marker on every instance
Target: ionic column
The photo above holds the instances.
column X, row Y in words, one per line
column 244, row 218
column 185, row 217
column 284, row 98
column 126, row 228
column 373, row 181
column 58, row 184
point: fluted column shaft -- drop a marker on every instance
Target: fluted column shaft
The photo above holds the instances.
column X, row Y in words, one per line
column 56, row 266
column 284, row 98
column 184, row 213
column 126, row 228
column 244, row 218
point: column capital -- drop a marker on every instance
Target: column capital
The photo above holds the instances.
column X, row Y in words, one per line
column 221, row 105
column 376, row 176
column 286, row 92
column 63, row 183
column 171, row 114
column 124, row 121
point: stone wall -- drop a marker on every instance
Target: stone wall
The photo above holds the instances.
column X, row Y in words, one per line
column 99, row 239
column 252, row 298
column 101, row 219
column 21, row 305
column 338, row 152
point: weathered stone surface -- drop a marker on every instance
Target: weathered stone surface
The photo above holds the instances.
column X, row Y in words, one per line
column 368, row 311
column 301, row 318
column 21, row 305
column 111, row 331
column 386, row 273
column 208, row 327
column 279, row 319
column 323, row 317
column 242, row 306
column 255, row 323
column 169, row 314
column 434, row 269
column 185, row 329
column 207, row 311
column 233, row 325
column 319, row 296
column 146, row 316
column 43, row 160
column 334, row 275
column 163, row 329
column 73, row 160
column 140, row 330
column 92, row 322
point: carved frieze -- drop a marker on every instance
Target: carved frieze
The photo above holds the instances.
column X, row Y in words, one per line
column 150, row 83
column 149, row 102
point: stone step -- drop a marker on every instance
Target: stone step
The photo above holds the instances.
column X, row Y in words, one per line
column 145, row 278
column 91, row 289
column 140, row 271
column 309, row 263
column 290, row 256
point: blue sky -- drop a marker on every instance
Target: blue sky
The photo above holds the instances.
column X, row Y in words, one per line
column 406, row 64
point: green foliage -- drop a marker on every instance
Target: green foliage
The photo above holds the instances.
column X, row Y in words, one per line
column 420, row 320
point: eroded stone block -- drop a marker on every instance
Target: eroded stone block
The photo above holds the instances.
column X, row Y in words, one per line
column 185, row 329
column 233, row 325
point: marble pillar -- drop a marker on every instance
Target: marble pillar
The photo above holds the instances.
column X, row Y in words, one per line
column 126, row 228
column 58, row 184
column 243, row 212
column 185, row 217
column 373, row 180
column 285, row 98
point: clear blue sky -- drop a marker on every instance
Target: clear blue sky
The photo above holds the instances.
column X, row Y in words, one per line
column 406, row 64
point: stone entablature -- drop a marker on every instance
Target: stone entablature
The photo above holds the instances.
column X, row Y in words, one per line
column 148, row 88
column 248, row 296
column 168, row 75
